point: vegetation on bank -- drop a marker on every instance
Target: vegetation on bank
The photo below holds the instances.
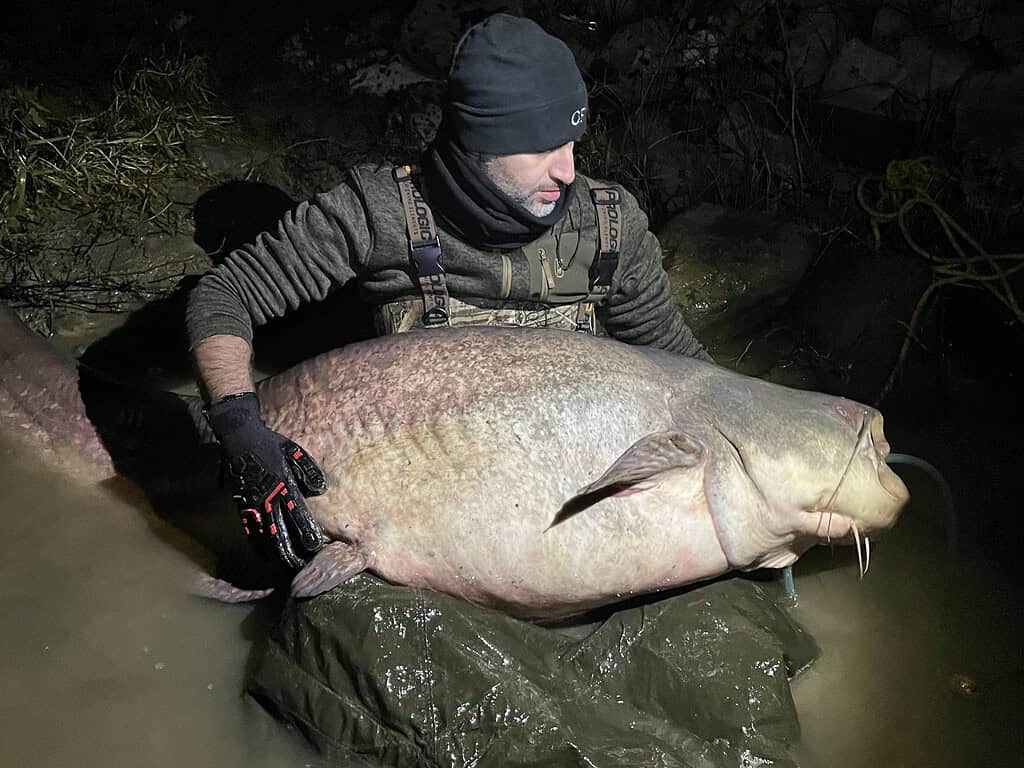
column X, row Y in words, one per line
column 74, row 188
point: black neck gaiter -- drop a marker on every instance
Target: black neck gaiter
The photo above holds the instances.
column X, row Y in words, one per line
column 473, row 208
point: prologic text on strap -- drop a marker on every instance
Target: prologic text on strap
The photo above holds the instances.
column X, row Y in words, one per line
column 424, row 249
column 606, row 259
column 609, row 221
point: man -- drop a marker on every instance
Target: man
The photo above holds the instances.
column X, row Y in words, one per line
column 495, row 228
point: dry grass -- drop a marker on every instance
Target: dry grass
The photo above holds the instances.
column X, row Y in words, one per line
column 72, row 186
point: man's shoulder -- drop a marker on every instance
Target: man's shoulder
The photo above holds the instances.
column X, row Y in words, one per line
column 373, row 177
column 374, row 183
column 633, row 216
column 590, row 182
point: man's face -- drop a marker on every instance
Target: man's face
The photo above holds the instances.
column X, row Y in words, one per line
column 535, row 180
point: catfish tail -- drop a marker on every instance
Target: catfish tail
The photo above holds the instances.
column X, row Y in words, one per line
column 40, row 403
column 76, row 416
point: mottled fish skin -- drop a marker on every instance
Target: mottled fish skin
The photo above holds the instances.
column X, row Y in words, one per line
column 539, row 472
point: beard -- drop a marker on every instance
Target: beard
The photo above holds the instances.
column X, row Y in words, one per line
column 517, row 192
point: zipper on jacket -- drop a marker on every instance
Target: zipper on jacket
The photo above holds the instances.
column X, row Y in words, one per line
column 549, row 277
column 506, row 276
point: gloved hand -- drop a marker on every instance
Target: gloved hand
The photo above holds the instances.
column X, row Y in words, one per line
column 268, row 474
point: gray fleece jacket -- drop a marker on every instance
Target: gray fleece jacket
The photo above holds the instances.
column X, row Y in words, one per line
column 357, row 231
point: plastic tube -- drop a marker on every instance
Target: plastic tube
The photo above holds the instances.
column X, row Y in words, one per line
column 948, row 505
column 790, row 598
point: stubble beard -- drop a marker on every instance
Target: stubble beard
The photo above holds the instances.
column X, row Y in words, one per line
column 516, row 192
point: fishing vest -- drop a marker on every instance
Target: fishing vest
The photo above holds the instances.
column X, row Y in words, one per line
column 570, row 273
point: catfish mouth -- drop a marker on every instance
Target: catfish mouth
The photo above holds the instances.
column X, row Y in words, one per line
column 891, row 483
column 871, row 448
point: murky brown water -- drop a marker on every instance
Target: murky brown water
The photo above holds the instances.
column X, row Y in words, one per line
column 922, row 663
column 108, row 662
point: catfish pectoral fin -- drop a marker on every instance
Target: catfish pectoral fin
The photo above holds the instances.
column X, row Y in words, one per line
column 593, row 494
column 335, row 564
column 636, row 469
column 213, row 588
column 649, row 456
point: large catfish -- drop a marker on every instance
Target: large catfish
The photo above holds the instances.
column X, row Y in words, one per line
column 540, row 472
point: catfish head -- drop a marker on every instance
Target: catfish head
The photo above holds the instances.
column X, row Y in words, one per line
column 790, row 469
column 779, row 471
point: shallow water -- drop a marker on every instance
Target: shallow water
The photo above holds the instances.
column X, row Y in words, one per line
column 922, row 662
column 107, row 660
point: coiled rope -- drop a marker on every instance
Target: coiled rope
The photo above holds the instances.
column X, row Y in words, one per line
column 904, row 187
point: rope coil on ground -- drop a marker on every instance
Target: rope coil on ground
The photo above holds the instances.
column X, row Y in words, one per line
column 904, row 187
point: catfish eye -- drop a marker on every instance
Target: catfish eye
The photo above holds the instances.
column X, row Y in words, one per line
column 848, row 411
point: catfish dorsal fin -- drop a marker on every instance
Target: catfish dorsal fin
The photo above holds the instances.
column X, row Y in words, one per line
column 649, row 456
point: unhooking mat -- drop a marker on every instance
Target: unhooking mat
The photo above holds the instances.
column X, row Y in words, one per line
column 379, row 675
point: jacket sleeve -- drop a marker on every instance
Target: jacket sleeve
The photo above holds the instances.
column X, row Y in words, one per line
column 318, row 245
column 640, row 309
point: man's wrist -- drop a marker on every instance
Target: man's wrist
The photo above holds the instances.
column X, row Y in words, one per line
column 232, row 415
column 227, row 398
column 224, row 366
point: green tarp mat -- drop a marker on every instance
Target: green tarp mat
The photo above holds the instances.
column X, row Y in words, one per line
column 379, row 675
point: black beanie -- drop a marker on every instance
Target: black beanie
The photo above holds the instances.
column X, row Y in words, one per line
column 513, row 88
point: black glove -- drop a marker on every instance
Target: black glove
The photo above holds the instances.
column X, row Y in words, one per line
column 268, row 475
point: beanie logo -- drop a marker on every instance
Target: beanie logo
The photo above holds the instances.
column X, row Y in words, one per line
column 578, row 116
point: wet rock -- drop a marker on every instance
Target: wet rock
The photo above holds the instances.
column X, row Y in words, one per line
column 166, row 258
column 861, row 78
column 426, row 121
column 931, row 69
column 220, row 157
column 841, row 185
column 626, row 48
column 179, row 21
column 813, row 42
column 891, row 25
column 756, row 135
column 992, row 173
column 617, row 12
column 730, row 271
column 433, row 27
column 416, row 125
column 295, row 53
column 382, row 78
column 1005, row 33
column 666, row 163
column 962, row 19
column 990, row 103
column 851, row 311
column 647, row 58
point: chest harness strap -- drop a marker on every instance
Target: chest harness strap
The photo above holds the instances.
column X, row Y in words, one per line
column 426, row 256
column 606, row 260
column 424, row 249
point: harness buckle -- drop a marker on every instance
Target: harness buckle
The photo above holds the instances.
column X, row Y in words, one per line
column 436, row 315
column 603, row 268
column 426, row 257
